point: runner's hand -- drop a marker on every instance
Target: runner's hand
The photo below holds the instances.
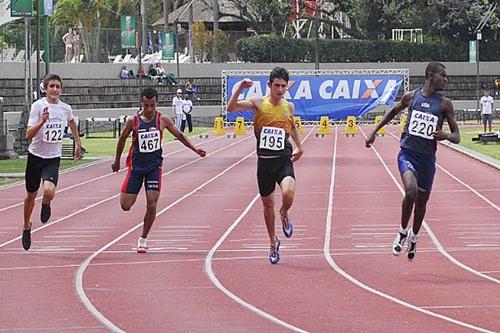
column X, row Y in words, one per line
column 440, row 135
column 201, row 152
column 370, row 140
column 78, row 154
column 297, row 154
column 246, row 83
column 115, row 166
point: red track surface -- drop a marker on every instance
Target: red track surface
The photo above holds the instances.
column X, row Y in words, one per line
column 207, row 268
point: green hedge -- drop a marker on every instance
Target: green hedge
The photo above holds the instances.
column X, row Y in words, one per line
column 268, row 48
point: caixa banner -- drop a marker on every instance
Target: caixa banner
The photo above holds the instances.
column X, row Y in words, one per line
column 334, row 95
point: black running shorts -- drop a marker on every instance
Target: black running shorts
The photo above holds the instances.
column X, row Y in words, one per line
column 37, row 169
column 271, row 171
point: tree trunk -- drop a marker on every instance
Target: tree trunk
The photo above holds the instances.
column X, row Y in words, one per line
column 215, row 9
column 190, row 34
column 166, row 9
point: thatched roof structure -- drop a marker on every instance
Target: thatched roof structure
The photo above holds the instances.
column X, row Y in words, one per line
column 202, row 12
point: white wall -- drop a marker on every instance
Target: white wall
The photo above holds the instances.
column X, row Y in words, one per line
column 16, row 70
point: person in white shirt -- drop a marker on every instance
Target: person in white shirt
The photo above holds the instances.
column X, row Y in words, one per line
column 187, row 108
column 48, row 118
column 177, row 108
column 68, row 39
column 487, row 108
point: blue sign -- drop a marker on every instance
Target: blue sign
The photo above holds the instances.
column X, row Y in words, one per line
column 335, row 96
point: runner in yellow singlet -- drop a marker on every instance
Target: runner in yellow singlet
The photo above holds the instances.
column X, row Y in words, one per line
column 273, row 125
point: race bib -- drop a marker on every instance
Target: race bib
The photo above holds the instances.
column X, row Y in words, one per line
column 149, row 141
column 272, row 138
column 422, row 124
column 53, row 132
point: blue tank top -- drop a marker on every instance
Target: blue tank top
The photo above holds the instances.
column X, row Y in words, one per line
column 424, row 117
column 145, row 152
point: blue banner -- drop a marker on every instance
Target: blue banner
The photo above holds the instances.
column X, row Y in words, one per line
column 335, row 96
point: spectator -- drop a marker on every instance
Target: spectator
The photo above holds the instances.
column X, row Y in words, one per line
column 76, row 47
column 153, row 74
column 187, row 108
column 177, row 108
column 124, row 73
column 141, row 72
column 68, row 39
column 191, row 88
column 169, row 77
column 487, row 108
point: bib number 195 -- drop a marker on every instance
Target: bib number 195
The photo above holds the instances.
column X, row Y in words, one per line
column 272, row 138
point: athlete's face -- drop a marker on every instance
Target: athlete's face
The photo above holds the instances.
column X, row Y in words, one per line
column 53, row 90
column 148, row 106
column 439, row 79
column 278, row 88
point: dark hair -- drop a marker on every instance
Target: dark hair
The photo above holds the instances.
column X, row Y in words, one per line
column 279, row 73
column 51, row 77
column 149, row 93
column 433, row 67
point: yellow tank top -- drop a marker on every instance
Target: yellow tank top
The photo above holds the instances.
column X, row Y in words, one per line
column 269, row 114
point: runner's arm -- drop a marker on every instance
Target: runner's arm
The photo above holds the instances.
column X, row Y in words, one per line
column 76, row 137
column 297, row 154
column 129, row 127
column 169, row 125
column 31, row 131
column 236, row 105
column 449, row 112
column 400, row 106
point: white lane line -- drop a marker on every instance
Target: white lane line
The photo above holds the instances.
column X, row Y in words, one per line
column 428, row 229
column 90, row 180
column 116, row 195
column 470, row 188
column 53, row 329
column 83, row 266
column 220, row 286
column 339, row 270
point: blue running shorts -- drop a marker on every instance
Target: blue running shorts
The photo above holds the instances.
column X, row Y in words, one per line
column 134, row 180
column 423, row 167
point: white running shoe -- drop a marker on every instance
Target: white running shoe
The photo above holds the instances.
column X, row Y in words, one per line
column 141, row 245
column 398, row 243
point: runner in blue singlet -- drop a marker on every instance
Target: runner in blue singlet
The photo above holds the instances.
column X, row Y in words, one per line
column 144, row 160
column 427, row 109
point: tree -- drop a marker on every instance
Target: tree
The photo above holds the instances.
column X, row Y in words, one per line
column 453, row 20
column 90, row 17
column 457, row 19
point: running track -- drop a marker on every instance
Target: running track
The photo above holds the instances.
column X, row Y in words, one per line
column 207, row 269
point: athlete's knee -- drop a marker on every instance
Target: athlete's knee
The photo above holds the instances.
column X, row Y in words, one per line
column 126, row 205
column 268, row 203
column 411, row 193
column 31, row 196
column 151, row 205
column 421, row 201
column 288, row 194
column 48, row 194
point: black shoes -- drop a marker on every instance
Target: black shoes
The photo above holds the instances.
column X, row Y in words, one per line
column 45, row 213
column 26, row 240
